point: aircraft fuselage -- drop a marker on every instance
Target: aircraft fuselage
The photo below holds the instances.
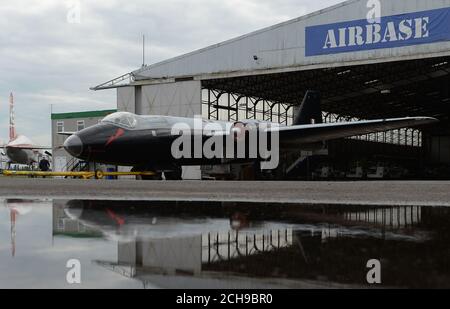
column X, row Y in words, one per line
column 17, row 154
column 20, row 156
column 153, row 142
column 152, row 148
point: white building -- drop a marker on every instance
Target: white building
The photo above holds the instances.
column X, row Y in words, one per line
column 71, row 122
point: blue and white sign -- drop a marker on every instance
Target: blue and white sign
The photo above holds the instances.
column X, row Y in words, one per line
column 393, row 31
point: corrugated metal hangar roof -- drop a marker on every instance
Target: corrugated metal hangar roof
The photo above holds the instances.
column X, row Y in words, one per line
column 408, row 30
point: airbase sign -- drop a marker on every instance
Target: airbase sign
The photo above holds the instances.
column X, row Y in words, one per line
column 392, row 31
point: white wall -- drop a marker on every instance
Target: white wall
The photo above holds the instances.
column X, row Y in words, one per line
column 182, row 254
column 182, row 99
column 126, row 100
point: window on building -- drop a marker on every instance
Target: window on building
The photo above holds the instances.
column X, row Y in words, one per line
column 60, row 126
column 80, row 125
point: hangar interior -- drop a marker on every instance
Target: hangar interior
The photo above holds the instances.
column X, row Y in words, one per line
column 264, row 75
column 374, row 91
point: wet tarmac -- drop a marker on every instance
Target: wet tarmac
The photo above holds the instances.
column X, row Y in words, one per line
column 226, row 245
column 396, row 193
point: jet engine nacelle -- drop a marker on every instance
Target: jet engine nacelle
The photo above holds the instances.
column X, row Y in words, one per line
column 239, row 130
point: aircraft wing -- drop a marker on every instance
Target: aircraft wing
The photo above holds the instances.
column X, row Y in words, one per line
column 67, row 133
column 308, row 134
column 28, row 147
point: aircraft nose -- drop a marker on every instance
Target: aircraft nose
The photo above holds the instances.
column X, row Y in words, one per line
column 74, row 146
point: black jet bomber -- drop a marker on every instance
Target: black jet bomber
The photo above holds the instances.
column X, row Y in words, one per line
column 146, row 142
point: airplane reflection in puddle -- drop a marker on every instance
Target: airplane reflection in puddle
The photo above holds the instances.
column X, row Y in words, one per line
column 18, row 208
column 225, row 245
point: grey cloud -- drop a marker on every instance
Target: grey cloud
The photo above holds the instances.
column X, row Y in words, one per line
column 46, row 60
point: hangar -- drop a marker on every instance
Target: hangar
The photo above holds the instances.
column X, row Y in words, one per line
column 394, row 65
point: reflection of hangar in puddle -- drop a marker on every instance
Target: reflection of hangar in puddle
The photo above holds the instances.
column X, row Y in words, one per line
column 265, row 259
column 157, row 261
column 397, row 67
column 176, row 244
column 188, row 255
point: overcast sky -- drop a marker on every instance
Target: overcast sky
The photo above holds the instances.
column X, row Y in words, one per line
column 46, row 60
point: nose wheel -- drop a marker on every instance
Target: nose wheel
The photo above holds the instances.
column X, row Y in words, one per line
column 176, row 174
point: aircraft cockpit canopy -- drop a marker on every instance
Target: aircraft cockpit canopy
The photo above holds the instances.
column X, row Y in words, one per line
column 122, row 119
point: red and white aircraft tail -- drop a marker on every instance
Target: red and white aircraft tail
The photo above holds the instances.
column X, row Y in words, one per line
column 20, row 149
column 12, row 121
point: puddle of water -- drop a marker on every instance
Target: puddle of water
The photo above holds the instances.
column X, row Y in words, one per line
column 220, row 245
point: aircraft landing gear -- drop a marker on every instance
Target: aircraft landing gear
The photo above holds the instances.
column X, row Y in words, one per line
column 176, row 174
column 156, row 177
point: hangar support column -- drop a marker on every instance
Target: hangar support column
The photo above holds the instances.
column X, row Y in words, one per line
column 437, row 145
column 178, row 99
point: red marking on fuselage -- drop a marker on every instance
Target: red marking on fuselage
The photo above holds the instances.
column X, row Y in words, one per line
column 120, row 221
column 119, row 133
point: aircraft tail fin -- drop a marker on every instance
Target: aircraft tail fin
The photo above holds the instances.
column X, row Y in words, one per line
column 310, row 111
column 12, row 122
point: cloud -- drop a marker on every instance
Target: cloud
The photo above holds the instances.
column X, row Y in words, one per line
column 46, row 60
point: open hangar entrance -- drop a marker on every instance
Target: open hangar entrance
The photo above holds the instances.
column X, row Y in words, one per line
column 265, row 74
column 363, row 92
